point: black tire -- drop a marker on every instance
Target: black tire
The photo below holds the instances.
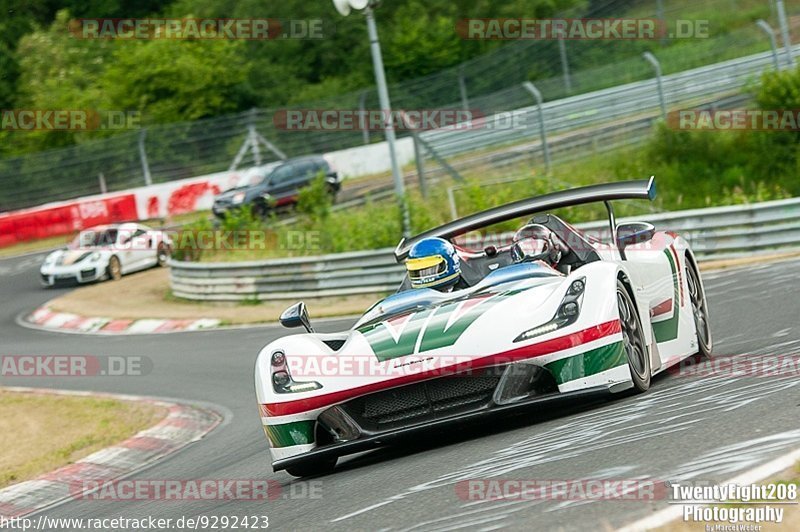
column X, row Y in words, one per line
column 313, row 467
column 633, row 340
column 697, row 297
column 162, row 254
column 260, row 210
column 114, row 270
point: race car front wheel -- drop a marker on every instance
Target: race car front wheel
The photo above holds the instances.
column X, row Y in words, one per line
column 162, row 254
column 114, row 269
column 633, row 340
column 700, row 310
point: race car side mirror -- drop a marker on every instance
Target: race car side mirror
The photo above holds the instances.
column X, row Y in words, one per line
column 632, row 233
column 296, row 316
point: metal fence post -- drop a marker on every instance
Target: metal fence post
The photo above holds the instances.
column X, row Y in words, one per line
column 650, row 58
column 660, row 17
column 462, row 86
column 102, row 180
column 148, row 179
column 787, row 40
column 562, row 50
column 761, row 23
column 530, row 87
column 362, row 119
column 419, row 159
column 253, row 135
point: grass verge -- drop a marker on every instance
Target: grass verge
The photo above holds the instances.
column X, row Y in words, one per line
column 38, row 434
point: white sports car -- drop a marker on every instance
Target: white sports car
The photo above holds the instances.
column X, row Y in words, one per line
column 589, row 316
column 106, row 252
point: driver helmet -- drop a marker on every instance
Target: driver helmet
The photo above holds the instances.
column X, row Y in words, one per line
column 433, row 263
column 531, row 243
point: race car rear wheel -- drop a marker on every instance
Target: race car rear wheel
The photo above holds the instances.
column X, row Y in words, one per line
column 313, row 467
column 633, row 340
column 162, row 254
column 697, row 296
column 114, row 269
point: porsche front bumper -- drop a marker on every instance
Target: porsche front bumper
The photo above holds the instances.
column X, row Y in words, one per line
column 76, row 273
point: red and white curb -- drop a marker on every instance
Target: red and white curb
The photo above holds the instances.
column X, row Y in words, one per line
column 61, row 321
column 183, row 425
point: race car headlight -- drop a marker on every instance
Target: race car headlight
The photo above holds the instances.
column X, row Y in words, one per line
column 50, row 259
column 567, row 314
column 238, row 198
column 577, row 286
column 282, row 381
column 94, row 257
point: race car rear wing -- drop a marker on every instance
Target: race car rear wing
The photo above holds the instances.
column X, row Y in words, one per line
column 606, row 192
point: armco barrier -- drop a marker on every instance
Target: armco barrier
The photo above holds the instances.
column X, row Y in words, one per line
column 721, row 232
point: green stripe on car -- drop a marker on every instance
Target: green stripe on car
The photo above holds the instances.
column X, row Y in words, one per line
column 288, row 434
column 589, row 363
column 668, row 329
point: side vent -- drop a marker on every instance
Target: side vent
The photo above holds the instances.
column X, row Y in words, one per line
column 334, row 344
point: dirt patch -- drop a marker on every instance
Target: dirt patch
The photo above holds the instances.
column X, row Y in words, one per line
column 146, row 295
column 39, row 434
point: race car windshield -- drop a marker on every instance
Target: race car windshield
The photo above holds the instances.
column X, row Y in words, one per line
column 95, row 239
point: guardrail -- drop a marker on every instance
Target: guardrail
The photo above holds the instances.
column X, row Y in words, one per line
column 715, row 233
column 584, row 110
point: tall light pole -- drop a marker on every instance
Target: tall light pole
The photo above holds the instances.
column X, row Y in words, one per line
column 344, row 7
column 761, row 23
column 787, row 41
column 650, row 58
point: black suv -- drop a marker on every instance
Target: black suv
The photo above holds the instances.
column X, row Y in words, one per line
column 279, row 187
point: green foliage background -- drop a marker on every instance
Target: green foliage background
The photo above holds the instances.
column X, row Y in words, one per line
column 42, row 65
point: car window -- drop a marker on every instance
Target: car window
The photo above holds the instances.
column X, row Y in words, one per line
column 95, row 238
column 308, row 169
column 124, row 236
column 281, row 175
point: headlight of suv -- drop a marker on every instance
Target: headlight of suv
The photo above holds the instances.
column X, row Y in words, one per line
column 238, row 198
column 567, row 313
column 282, row 381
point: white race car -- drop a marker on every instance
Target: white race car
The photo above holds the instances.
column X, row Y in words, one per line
column 588, row 316
column 106, row 252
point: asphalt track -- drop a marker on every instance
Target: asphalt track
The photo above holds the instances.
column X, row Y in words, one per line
column 706, row 429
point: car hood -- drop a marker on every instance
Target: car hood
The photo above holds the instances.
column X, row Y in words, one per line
column 228, row 194
column 467, row 331
column 68, row 257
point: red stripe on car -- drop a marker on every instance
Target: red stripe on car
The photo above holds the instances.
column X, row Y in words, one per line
column 662, row 308
column 521, row 353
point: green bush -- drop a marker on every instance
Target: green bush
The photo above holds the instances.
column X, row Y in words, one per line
column 314, row 202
